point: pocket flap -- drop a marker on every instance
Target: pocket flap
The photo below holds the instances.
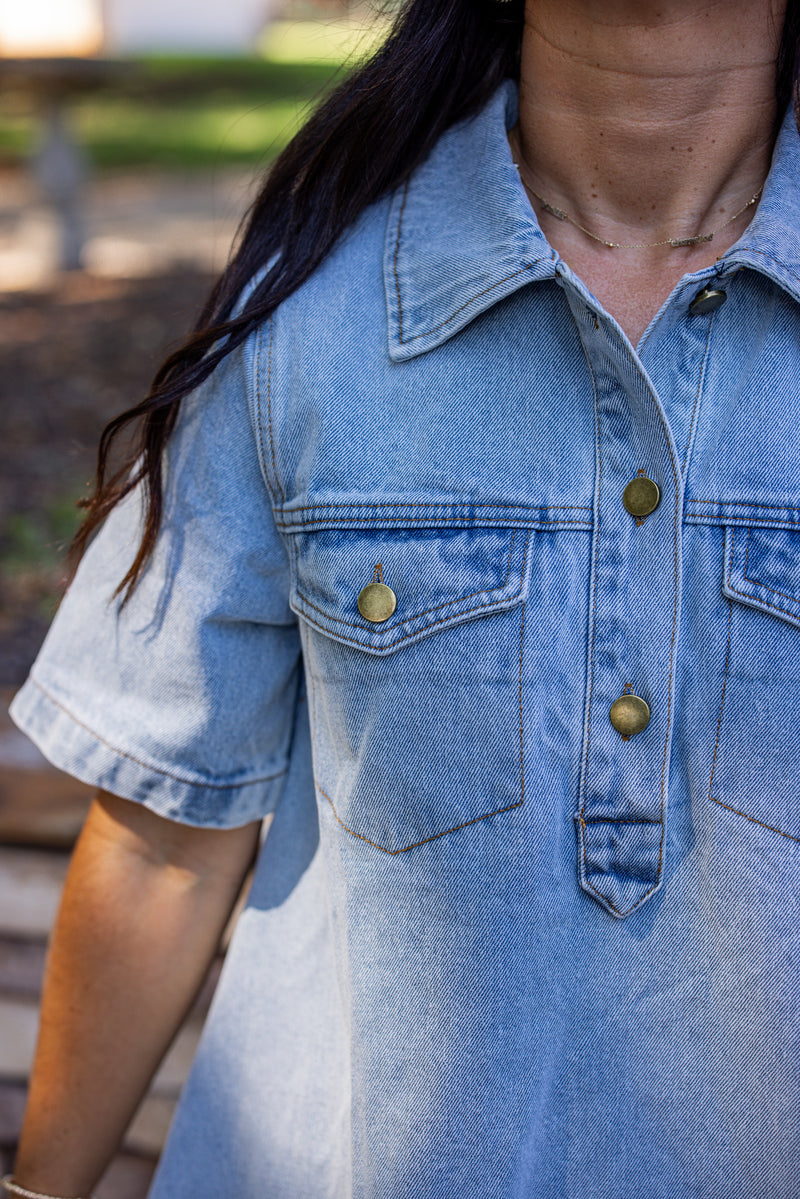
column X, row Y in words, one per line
column 762, row 569
column 439, row 577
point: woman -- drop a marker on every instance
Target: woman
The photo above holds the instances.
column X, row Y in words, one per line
column 525, row 923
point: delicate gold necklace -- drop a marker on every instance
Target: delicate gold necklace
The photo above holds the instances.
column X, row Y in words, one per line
column 676, row 243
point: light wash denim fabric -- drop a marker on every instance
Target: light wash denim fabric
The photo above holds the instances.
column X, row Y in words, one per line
column 492, row 950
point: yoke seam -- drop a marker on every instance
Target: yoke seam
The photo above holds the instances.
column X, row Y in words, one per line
column 745, row 504
column 436, row 504
column 355, row 523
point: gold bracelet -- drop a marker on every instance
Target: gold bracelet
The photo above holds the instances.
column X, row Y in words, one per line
column 9, row 1184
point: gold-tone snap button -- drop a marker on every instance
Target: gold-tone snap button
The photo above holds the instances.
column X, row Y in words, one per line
column 629, row 715
column 376, row 602
column 708, row 300
column 641, row 496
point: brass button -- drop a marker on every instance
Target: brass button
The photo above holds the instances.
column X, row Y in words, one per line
column 629, row 715
column 707, row 300
column 376, row 602
column 641, row 496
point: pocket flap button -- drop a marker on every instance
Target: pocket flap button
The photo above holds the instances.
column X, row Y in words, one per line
column 641, row 496
column 376, row 602
column 707, row 300
column 629, row 715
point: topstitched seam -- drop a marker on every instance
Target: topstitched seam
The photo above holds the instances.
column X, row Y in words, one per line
column 618, row 820
column 269, row 409
column 722, row 698
column 425, row 840
column 149, row 765
column 304, row 639
column 471, row 300
column 748, row 595
column 771, row 257
column 697, row 394
column 437, row 504
column 447, row 603
column 591, row 643
column 765, row 586
column 354, row 524
column 407, row 340
column 761, row 823
column 670, row 691
column 396, row 255
column 259, row 411
column 744, row 504
column 521, row 710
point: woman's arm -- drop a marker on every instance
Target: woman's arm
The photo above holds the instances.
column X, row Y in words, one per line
column 144, row 905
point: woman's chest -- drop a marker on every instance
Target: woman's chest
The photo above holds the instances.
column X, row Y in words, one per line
column 476, row 593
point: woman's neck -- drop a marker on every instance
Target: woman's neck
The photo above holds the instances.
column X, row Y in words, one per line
column 646, row 122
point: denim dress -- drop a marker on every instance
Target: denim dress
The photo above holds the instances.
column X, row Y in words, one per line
column 526, row 922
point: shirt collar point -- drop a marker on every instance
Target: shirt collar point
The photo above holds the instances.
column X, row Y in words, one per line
column 461, row 234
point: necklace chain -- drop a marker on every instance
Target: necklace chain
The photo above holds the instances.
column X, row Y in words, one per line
column 676, row 243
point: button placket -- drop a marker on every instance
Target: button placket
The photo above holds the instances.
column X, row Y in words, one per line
column 632, row 634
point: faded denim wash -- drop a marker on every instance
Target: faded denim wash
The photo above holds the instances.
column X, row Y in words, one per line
column 492, row 949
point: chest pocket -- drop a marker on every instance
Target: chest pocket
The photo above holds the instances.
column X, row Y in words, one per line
column 416, row 716
column 757, row 762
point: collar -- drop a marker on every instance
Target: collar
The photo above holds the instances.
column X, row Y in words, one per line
column 462, row 235
column 771, row 242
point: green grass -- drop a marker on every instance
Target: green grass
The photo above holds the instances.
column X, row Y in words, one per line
column 204, row 111
column 124, row 134
column 32, row 549
column 37, row 540
column 321, row 41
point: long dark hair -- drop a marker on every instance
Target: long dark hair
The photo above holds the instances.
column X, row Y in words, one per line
column 440, row 64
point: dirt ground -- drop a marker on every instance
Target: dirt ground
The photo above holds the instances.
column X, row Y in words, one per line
column 71, row 357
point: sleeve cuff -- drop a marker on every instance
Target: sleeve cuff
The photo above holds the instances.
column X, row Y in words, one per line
column 73, row 747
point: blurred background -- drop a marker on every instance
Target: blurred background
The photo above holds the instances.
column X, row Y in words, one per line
column 132, row 133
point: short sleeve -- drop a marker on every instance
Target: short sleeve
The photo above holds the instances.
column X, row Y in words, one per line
column 184, row 697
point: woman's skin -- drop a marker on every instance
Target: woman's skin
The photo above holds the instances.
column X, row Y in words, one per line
column 642, row 121
column 646, row 120
column 144, row 906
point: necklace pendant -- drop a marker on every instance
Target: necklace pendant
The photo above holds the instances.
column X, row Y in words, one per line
column 558, row 213
column 678, row 243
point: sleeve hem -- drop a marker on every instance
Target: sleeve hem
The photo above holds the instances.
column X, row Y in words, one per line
column 80, row 751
